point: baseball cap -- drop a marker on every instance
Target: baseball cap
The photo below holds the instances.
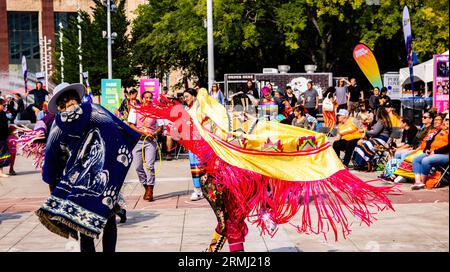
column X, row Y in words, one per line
column 343, row 112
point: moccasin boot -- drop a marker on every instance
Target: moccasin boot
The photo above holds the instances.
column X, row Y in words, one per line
column 150, row 193
column 146, row 194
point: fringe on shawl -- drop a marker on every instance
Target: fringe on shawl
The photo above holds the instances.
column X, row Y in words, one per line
column 32, row 144
column 322, row 204
column 66, row 229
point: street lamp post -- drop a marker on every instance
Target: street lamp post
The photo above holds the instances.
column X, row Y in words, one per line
column 108, row 29
column 209, row 19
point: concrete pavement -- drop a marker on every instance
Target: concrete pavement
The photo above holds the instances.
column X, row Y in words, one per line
column 173, row 223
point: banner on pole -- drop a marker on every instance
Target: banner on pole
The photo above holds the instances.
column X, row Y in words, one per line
column 440, row 82
column 368, row 64
column 111, row 89
column 150, row 85
column 406, row 23
column 24, row 71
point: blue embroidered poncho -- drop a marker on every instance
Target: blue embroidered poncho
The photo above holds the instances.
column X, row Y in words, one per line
column 87, row 157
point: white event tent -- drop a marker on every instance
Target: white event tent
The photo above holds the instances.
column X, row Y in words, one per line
column 422, row 72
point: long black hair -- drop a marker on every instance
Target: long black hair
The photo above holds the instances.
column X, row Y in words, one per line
column 191, row 91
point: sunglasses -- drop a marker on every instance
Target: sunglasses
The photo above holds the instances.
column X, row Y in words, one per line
column 425, row 117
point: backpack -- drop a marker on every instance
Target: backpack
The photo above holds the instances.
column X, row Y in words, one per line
column 327, row 105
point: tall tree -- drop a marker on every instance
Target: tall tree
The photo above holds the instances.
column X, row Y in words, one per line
column 94, row 48
column 252, row 34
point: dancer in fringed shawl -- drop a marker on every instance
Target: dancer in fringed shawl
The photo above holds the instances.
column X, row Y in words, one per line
column 196, row 170
column 267, row 172
column 5, row 156
column 32, row 141
column 87, row 157
column 11, row 140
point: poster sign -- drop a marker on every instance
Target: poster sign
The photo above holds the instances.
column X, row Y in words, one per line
column 150, row 85
column 111, row 89
column 368, row 64
column 391, row 82
column 440, row 82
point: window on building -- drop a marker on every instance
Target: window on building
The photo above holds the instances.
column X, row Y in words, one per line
column 23, row 36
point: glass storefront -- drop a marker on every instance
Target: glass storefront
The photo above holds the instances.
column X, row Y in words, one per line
column 23, row 38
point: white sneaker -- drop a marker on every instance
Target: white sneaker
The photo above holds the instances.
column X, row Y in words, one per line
column 400, row 179
column 197, row 194
column 417, row 186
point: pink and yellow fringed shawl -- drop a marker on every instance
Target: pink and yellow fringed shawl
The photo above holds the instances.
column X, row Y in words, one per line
column 275, row 168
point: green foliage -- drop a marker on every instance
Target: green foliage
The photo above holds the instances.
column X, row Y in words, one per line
column 94, row 48
column 250, row 35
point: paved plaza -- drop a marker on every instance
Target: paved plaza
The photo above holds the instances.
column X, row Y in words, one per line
column 173, row 223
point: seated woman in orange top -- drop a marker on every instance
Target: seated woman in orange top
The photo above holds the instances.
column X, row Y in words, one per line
column 435, row 153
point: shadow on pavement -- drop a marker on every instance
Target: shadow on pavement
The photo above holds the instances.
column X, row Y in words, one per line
column 10, row 216
column 135, row 217
column 24, row 173
column 170, row 195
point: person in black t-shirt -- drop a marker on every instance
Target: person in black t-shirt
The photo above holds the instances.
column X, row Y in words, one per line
column 384, row 98
column 355, row 96
column 409, row 139
column 39, row 97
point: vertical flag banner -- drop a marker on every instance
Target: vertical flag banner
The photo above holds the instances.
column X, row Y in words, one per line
column 111, row 94
column 440, row 82
column 406, row 23
column 150, row 85
column 368, row 64
column 24, row 74
column 24, row 71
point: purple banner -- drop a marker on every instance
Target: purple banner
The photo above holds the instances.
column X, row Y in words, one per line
column 150, row 85
column 440, row 82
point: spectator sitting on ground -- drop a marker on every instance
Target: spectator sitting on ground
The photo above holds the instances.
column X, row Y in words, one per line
column 349, row 132
column 300, row 118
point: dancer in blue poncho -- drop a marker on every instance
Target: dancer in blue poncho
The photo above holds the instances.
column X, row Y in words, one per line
column 87, row 157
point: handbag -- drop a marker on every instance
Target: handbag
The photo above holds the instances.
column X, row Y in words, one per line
column 327, row 105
